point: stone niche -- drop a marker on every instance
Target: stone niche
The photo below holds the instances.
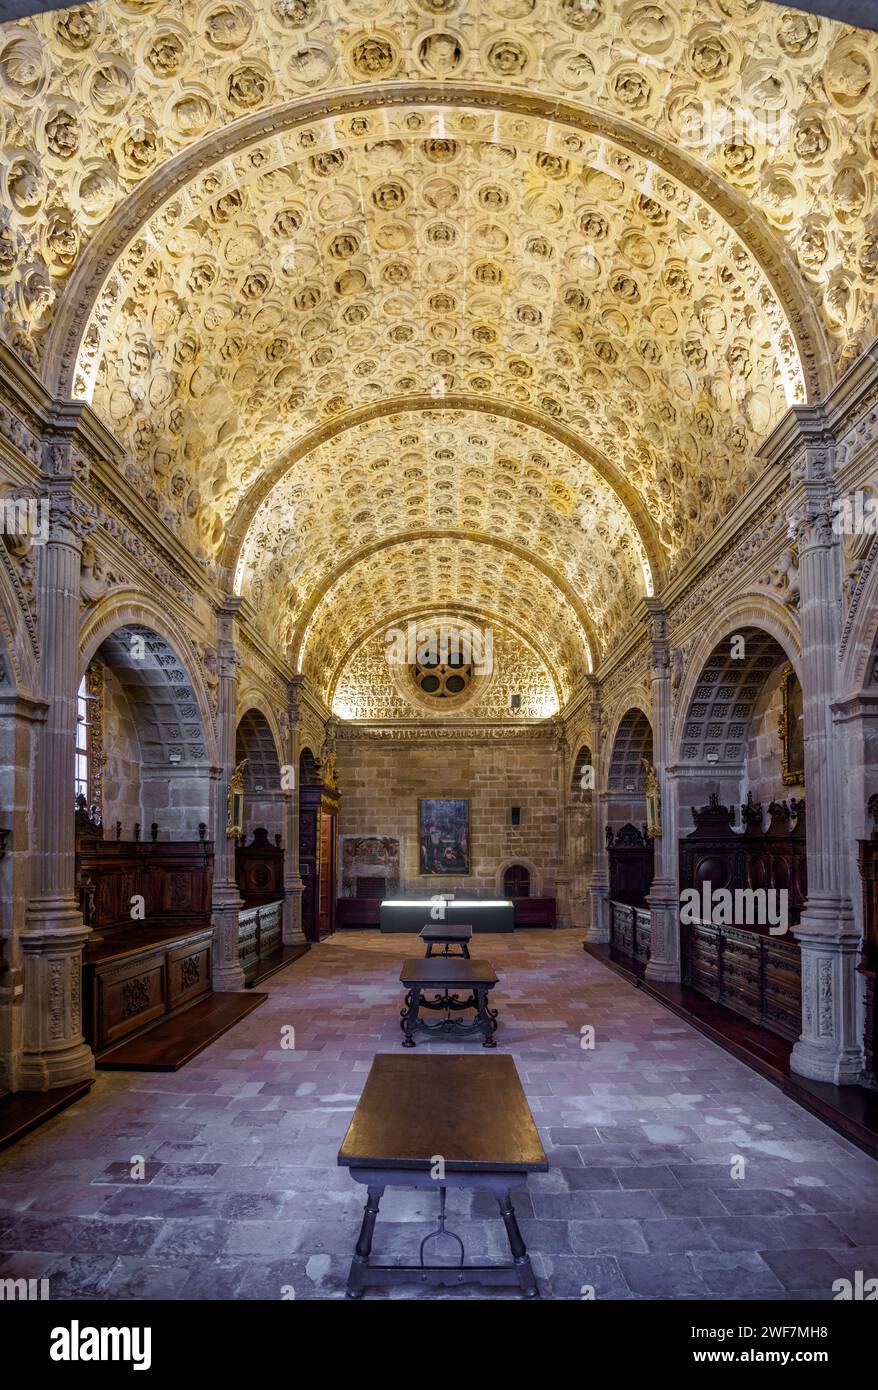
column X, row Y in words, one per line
column 369, row 856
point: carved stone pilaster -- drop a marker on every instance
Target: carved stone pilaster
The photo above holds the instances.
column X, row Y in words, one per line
column 54, row 1052
column 830, row 1047
column 227, row 972
column 598, row 883
column 293, row 885
column 664, row 895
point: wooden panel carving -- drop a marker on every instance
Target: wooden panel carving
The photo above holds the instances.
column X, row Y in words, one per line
column 259, row 869
column 744, row 967
column 630, row 853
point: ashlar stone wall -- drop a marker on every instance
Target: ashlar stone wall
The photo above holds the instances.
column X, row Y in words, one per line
column 382, row 780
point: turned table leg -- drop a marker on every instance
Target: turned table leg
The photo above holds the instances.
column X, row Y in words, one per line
column 520, row 1257
column 360, row 1262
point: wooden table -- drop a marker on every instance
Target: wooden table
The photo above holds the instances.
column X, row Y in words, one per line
column 443, row 933
column 440, row 1122
column 449, row 977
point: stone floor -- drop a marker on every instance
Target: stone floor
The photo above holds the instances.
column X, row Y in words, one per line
column 240, row 1195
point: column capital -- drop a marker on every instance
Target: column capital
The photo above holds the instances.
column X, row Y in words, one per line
column 654, row 615
column 295, row 691
column 803, row 443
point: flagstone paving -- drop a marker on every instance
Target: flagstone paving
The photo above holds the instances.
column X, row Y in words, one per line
column 675, row 1171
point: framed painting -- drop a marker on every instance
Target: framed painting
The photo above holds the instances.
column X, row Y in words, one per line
column 790, row 727
column 443, row 836
column 235, row 825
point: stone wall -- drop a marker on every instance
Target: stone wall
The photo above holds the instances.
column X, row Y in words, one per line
column 382, row 781
column 763, row 775
column 122, row 763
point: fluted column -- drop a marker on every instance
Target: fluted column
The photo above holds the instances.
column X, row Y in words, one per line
column 562, row 878
column 54, row 1052
column 579, row 851
column 664, row 895
column 830, row 1046
column 227, row 972
column 598, row 887
column 293, row 885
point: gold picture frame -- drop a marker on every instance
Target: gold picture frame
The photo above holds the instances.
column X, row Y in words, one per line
column 653, row 802
column 235, row 824
column 790, row 729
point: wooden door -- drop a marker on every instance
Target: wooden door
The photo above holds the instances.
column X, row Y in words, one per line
column 327, row 872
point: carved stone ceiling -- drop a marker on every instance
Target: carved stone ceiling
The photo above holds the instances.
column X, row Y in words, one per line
column 444, row 471
column 642, row 229
column 405, row 579
column 368, row 687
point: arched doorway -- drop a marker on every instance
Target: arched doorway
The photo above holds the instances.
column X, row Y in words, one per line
column 145, row 857
column 146, row 750
column 739, row 753
column 259, row 852
column 263, row 795
column 516, row 881
column 629, row 848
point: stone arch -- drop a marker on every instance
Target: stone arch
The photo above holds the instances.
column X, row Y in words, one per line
column 750, row 614
column 588, row 638
column 157, row 745
column 335, row 429
column 859, row 644
column 129, row 218
column 632, row 742
column 255, row 741
column 264, row 800
column 579, row 788
column 309, row 768
column 18, row 633
column 511, row 862
column 139, row 610
column 727, row 742
column 251, row 700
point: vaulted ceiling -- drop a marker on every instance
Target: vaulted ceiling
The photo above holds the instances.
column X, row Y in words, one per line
column 397, row 305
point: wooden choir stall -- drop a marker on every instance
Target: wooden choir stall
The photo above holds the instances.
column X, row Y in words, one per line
column 868, row 966
column 631, row 855
column 259, row 873
column 149, row 958
column 746, row 967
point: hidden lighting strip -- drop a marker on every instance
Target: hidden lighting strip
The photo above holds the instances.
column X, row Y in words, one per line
column 453, row 902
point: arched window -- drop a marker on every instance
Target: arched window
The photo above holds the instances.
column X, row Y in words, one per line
column 516, row 881
column 82, row 779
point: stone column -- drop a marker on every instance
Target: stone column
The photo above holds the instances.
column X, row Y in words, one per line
column 664, row 896
column 598, row 886
column 579, row 850
column 293, row 885
column 227, row 972
column 562, row 878
column 21, row 716
column 830, row 1046
column 54, row 1052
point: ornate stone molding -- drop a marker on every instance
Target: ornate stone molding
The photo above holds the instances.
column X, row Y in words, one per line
column 424, row 733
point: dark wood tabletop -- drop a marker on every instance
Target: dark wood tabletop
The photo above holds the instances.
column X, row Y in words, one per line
column 439, row 931
column 447, row 970
column 471, row 1110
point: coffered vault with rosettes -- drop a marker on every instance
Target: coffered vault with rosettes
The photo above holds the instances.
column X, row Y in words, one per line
column 400, row 305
